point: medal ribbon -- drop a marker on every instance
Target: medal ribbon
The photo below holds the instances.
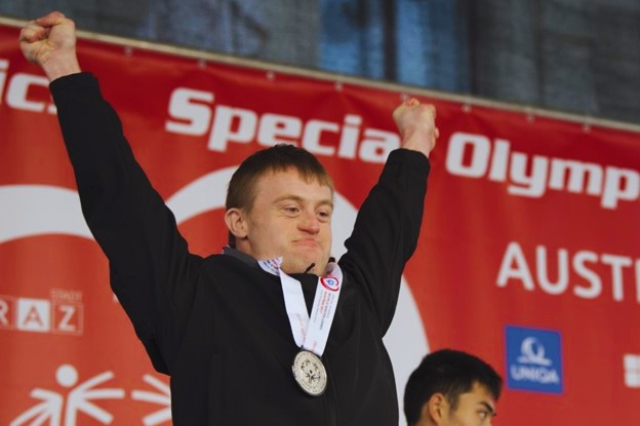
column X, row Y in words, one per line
column 310, row 332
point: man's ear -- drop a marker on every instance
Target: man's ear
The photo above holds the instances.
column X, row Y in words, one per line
column 234, row 218
column 436, row 409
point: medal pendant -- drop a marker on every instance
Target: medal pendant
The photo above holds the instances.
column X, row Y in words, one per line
column 310, row 373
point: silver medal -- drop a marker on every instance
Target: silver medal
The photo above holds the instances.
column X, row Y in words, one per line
column 310, row 373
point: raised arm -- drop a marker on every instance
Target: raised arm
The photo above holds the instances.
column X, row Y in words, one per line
column 388, row 224
column 149, row 263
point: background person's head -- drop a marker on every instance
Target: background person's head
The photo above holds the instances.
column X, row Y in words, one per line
column 449, row 388
column 279, row 203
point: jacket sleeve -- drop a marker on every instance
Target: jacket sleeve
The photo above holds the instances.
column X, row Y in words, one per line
column 386, row 232
column 150, row 267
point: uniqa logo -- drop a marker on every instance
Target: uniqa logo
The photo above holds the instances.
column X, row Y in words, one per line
column 532, row 354
column 534, row 359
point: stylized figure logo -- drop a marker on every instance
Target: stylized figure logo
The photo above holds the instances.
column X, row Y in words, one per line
column 162, row 397
column 533, row 352
column 78, row 400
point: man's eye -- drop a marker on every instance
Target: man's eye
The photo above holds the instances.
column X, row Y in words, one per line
column 291, row 210
column 324, row 215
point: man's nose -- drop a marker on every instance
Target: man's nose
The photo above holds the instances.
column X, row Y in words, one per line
column 309, row 222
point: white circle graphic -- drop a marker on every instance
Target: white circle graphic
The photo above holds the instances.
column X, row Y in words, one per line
column 406, row 340
column 30, row 210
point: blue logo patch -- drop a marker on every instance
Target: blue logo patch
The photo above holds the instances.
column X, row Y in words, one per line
column 534, row 360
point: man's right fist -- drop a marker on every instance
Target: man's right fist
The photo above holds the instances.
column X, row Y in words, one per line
column 50, row 42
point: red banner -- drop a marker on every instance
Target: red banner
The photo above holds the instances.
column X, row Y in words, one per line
column 528, row 255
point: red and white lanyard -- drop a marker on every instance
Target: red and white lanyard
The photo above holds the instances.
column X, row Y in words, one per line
column 309, row 332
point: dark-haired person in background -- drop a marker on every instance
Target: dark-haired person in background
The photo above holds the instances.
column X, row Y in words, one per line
column 452, row 388
column 233, row 330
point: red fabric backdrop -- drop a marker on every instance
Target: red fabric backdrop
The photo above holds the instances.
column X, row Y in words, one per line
column 531, row 224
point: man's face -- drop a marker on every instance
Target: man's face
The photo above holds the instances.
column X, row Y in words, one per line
column 290, row 218
column 475, row 408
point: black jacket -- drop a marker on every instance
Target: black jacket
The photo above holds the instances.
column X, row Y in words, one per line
column 218, row 325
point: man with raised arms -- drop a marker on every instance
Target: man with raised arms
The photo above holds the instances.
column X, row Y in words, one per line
column 239, row 332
